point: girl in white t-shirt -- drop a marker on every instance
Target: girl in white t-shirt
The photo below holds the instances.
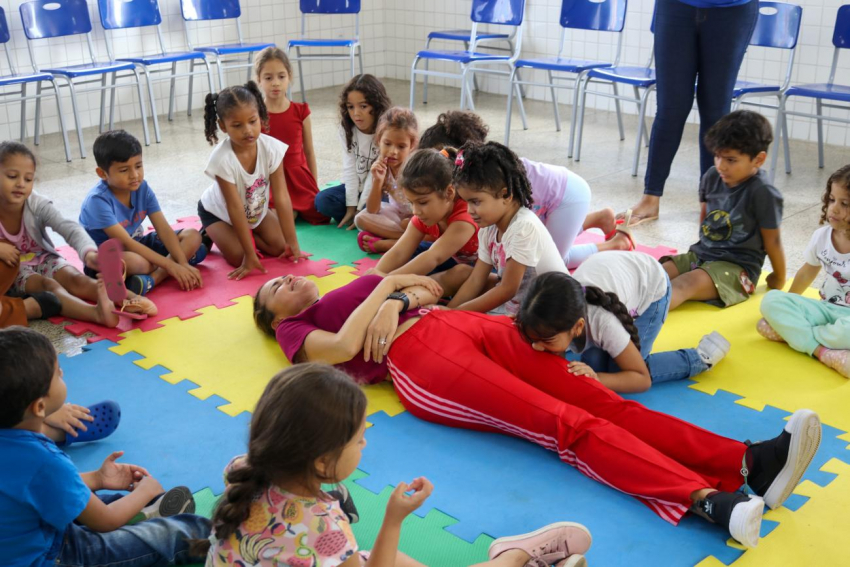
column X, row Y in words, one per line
column 819, row 328
column 512, row 239
column 246, row 168
column 610, row 313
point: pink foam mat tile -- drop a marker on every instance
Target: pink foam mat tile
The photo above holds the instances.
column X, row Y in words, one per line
column 218, row 290
column 364, row 264
column 592, row 236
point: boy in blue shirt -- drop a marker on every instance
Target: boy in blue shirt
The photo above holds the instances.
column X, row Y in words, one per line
column 49, row 513
column 118, row 205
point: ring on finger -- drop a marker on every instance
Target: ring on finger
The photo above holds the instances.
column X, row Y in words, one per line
column 382, row 342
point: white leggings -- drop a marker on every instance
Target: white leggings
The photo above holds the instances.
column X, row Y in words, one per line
column 565, row 222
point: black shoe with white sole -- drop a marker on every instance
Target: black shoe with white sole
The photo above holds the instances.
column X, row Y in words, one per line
column 773, row 468
column 178, row 500
column 735, row 511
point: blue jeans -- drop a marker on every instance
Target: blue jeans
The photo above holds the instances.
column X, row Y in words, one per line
column 663, row 366
column 331, row 202
column 693, row 45
column 160, row 541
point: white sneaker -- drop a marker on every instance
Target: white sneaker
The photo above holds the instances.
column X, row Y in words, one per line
column 712, row 348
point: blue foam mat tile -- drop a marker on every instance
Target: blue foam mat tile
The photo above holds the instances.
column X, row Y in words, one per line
column 497, row 485
column 178, row 438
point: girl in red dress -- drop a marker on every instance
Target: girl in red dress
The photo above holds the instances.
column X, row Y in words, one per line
column 289, row 122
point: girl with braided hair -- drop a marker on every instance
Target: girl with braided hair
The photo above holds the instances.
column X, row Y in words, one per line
column 513, row 244
column 246, row 168
column 610, row 313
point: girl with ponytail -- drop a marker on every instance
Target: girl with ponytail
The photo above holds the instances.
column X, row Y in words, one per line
column 247, row 169
column 610, row 313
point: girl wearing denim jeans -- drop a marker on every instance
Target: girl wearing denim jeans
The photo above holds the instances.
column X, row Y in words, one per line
column 610, row 313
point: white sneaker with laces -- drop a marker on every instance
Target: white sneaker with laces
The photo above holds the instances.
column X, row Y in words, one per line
column 712, row 348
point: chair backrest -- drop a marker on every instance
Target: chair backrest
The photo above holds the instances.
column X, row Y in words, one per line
column 778, row 25
column 604, row 15
column 4, row 27
column 841, row 37
column 330, row 6
column 501, row 12
column 120, row 14
column 43, row 19
column 199, row 10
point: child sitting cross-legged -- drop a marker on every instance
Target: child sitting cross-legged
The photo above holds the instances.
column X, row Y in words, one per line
column 49, row 512
column 118, row 205
column 274, row 511
column 740, row 216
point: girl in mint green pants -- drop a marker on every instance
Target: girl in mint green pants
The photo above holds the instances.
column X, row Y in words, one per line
column 819, row 328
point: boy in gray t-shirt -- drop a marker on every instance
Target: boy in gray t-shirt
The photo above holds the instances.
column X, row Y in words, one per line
column 739, row 219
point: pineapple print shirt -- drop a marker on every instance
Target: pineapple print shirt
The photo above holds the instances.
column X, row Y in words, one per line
column 283, row 529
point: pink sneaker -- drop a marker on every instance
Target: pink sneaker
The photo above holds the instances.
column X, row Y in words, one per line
column 547, row 545
column 768, row 332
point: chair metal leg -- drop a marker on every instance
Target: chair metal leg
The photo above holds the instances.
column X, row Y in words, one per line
column 574, row 111
column 250, row 67
column 37, row 134
column 156, row 132
column 112, row 102
column 463, row 71
column 413, row 80
column 76, row 117
column 102, row 103
column 61, row 121
column 172, row 88
column 300, row 74
column 582, row 105
column 641, row 129
column 519, row 77
column 211, row 82
column 519, row 100
column 474, row 78
column 645, row 129
column 555, row 102
column 619, row 113
column 787, row 145
column 777, row 135
column 819, row 106
column 360, row 57
column 470, row 101
column 351, row 59
column 218, row 63
column 142, row 107
column 425, row 77
column 192, row 83
column 23, row 112
column 511, row 86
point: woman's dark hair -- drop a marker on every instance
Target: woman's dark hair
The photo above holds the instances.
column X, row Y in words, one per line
column 490, row 167
column 556, row 301
column 306, row 412
column 455, row 128
column 27, row 363
column 743, row 130
column 376, row 96
column 840, row 177
column 10, row 148
column 428, row 171
column 263, row 316
column 218, row 105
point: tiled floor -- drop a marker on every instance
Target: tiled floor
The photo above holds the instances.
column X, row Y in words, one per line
column 174, row 168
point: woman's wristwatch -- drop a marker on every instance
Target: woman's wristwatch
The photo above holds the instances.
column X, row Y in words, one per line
column 400, row 297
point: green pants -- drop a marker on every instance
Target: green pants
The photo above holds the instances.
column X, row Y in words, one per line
column 805, row 323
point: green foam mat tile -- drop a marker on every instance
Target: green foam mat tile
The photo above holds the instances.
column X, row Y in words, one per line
column 328, row 241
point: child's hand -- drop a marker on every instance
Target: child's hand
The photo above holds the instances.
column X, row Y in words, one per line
column 292, row 252
column 379, row 171
column 149, row 485
column 120, row 476
column 401, row 505
column 91, row 261
column 184, row 276
column 249, row 264
column 582, row 369
column 69, row 418
column 348, row 219
column 9, row 255
column 775, row 281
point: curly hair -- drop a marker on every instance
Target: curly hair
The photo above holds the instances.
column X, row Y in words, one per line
column 841, row 178
column 428, row 171
column 376, row 96
column 218, row 105
column 743, row 130
column 455, row 128
column 556, row 301
column 491, row 167
column 306, row 412
column 271, row 54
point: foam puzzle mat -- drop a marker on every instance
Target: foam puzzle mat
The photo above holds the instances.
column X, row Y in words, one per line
column 188, row 379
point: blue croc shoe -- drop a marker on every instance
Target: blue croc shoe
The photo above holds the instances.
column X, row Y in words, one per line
column 107, row 415
column 140, row 284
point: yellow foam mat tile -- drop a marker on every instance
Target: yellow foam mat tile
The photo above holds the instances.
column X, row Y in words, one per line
column 225, row 355
column 812, row 535
column 762, row 372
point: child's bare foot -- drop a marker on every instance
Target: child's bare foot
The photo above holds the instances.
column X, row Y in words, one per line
column 104, row 309
column 620, row 241
column 603, row 219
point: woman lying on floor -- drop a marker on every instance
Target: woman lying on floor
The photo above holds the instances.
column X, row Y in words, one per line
column 476, row 371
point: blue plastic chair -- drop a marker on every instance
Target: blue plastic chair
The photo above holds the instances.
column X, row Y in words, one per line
column 352, row 45
column 210, row 10
column 820, row 92
column 23, row 79
column 484, row 39
column 45, row 19
column 636, row 77
column 604, row 16
column 496, row 12
column 124, row 14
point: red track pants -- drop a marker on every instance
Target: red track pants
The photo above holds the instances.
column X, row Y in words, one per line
column 475, row 371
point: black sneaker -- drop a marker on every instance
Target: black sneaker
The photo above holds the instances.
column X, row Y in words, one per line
column 205, row 239
column 341, row 494
column 178, row 500
column 735, row 511
column 773, row 468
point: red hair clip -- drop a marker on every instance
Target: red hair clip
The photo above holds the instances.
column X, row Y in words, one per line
column 459, row 160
